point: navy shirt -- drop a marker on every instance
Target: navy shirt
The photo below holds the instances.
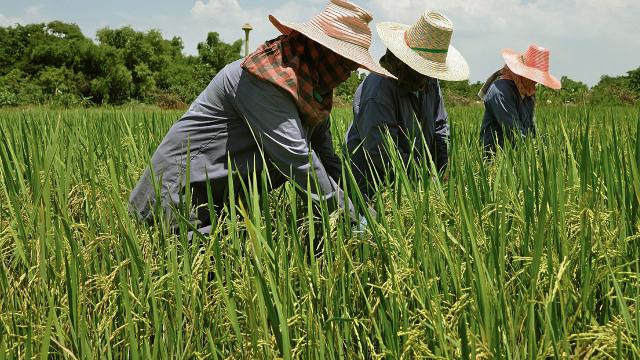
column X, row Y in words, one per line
column 381, row 104
column 506, row 113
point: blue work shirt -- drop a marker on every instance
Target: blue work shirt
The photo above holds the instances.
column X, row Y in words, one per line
column 381, row 104
column 506, row 112
column 244, row 119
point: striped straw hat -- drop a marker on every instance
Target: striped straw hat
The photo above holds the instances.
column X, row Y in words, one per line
column 343, row 27
column 425, row 46
column 534, row 65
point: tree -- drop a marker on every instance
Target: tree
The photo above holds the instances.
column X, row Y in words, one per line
column 15, row 43
column 217, row 53
column 347, row 89
column 572, row 92
column 56, row 63
column 634, row 80
column 18, row 86
column 143, row 80
column 57, row 80
column 114, row 87
column 141, row 47
column 613, row 91
column 460, row 92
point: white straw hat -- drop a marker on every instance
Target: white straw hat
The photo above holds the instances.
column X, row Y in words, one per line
column 343, row 27
column 425, row 46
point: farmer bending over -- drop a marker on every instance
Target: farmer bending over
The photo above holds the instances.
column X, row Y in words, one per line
column 410, row 108
column 509, row 96
column 275, row 103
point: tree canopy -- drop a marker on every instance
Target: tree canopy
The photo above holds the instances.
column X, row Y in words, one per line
column 55, row 63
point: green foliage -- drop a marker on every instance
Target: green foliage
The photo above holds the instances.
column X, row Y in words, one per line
column 55, row 63
column 347, row 89
column 460, row 92
column 216, row 53
column 54, row 81
column 186, row 81
column 143, row 80
column 634, row 80
column 623, row 90
column 20, row 87
column 114, row 87
column 137, row 48
column 572, row 92
column 7, row 97
column 613, row 91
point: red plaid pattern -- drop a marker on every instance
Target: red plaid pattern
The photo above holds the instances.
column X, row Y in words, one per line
column 305, row 69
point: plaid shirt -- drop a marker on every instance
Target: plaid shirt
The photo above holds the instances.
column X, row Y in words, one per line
column 305, row 69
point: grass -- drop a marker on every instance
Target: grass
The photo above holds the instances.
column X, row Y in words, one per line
column 535, row 255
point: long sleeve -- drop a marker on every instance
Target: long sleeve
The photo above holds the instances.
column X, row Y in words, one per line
column 503, row 107
column 441, row 134
column 276, row 124
column 322, row 143
column 377, row 117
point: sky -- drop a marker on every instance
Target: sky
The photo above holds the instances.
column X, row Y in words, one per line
column 587, row 38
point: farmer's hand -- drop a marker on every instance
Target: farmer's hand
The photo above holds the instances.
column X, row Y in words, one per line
column 362, row 224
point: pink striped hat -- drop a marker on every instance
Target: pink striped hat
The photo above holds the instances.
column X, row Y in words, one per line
column 343, row 27
column 533, row 65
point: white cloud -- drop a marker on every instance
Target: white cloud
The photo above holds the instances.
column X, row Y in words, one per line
column 220, row 9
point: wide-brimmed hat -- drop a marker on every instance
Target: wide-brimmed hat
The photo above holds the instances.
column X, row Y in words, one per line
column 533, row 65
column 425, row 46
column 343, row 27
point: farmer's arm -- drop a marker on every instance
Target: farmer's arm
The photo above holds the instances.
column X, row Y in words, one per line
column 276, row 124
column 376, row 117
column 322, row 143
column 502, row 105
column 442, row 133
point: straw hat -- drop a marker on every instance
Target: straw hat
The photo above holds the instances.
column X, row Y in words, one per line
column 534, row 65
column 343, row 27
column 425, row 46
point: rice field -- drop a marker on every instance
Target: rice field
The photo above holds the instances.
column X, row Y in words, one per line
column 532, row 256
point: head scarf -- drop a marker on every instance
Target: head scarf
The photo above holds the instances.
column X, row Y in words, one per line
column 407, row 77
column 526, row 87
column 305, row 69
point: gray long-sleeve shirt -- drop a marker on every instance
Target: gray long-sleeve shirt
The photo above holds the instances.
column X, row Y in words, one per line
column 235, row 117
column 506, row 113
column 381, row 104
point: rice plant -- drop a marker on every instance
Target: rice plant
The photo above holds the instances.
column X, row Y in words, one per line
column 534, row 254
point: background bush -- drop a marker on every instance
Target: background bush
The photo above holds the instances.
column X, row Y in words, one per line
column 56, row 64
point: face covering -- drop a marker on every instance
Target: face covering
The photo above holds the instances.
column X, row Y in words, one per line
column 526, row 87
column 407, row 77
column 305, row 69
